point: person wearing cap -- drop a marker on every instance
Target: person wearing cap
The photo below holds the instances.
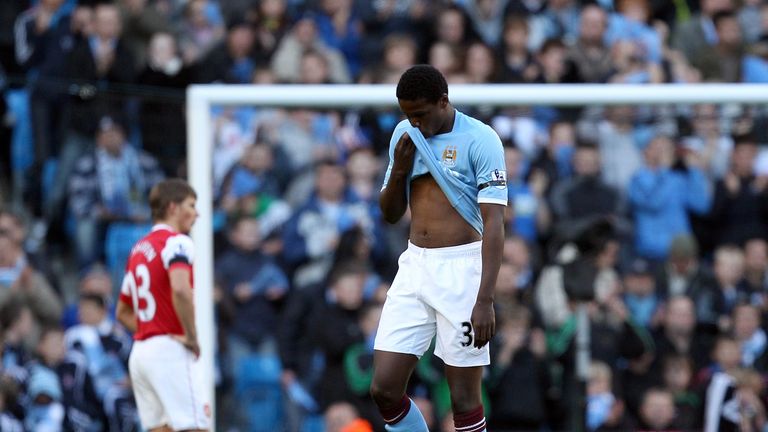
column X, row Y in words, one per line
column 682, row 274
column 109, row 184
column 640, row 293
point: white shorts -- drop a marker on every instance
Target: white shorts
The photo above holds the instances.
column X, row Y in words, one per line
column 434, row 292
column 167, row 385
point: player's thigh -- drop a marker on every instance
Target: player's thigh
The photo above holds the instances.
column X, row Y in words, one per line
column 453, row 299
column 407, row 324
column 148, row 404
column 465, row 384
column 178, row 384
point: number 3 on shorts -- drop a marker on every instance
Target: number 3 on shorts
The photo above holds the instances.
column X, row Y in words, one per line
column 141, row 292
column 467, row 326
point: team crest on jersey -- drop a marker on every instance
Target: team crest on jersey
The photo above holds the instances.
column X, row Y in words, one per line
column 449, row 156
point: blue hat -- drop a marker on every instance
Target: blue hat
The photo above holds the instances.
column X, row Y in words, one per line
column 44, row 381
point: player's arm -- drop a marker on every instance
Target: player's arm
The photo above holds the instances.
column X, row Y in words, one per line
column 183, row 303
column 126, row 316
column 492, row 198
column 483, row 316
column 393, row 199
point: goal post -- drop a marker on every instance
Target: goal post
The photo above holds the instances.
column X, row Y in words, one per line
column 201, row 98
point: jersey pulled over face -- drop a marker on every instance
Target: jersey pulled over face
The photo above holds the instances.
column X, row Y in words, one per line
column 471, row 152
column 146, row 286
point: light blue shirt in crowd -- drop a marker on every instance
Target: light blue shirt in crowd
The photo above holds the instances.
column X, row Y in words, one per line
column 472, row 153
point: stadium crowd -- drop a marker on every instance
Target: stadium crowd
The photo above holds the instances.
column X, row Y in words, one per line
column 668, row 205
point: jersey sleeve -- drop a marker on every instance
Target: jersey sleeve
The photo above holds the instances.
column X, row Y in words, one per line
column 396, row 134
column 125, row 292
column 178, row 251
column 490, row 169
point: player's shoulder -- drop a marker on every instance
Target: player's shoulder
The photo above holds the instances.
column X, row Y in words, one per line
column 475, row 127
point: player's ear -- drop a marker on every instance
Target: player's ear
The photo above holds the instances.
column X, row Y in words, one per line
column 443, row 100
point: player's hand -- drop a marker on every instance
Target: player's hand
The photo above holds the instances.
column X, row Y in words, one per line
column 190, row 343
column 483, row 322
column 405, row 151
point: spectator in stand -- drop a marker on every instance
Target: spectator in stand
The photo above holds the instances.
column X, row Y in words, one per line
column 678, row 376
column 344, row 417
column 708, row 140
column 517, row 62
column 97, row 66
column 95, row 281
column 20, row 331
column 303, row 36
column 558, row 20
column 313, row 232
column 44, row 39
column 640, row 295
column 448, row 59
column 20, row 280
column 740, row 208
column 661, row 198
column 698, row 33
column 756, row 269
column 519, row 363
column 630, row 24
column 551, row 59
column 200, row 30
column 83, row 409
column 731, row 288
column 8, row 393
column 589, row 55
column 399, row 52
column 232, row 61
column 141, row 21
column 620, row 153
column 680, row 335
column 254, row 284
column 487, row 17
column 584, row 195
column 657, row 410
column 340, row 27
column 528, row 214
column 452, row 26
column 554, row 161
column 109, row 184
column 605, row 411
column 163, row 124
column 335, row 327
column 751, row 337
column 480, row 64
column 684, row 275
column 722, row 61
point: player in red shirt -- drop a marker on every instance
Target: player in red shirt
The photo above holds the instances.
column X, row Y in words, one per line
column 156, row 304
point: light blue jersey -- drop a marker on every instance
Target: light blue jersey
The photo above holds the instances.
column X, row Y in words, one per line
column 470, row 153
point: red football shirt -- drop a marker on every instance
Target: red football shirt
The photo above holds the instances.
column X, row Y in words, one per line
column 146, row 285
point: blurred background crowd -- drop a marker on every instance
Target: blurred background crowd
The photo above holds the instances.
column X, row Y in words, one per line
column 668, row 203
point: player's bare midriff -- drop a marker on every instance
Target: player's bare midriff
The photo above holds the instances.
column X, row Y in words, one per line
column 434, row 221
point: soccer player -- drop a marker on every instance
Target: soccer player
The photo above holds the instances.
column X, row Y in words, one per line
column 156, row 304
column 449, row 168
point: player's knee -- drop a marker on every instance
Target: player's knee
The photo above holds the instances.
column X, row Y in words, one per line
column 385, row 396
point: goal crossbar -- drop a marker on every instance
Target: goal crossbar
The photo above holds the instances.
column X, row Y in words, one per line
column 200, row 99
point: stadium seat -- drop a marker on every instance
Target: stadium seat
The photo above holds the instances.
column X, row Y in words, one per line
column 121, row 236
column 257, row 387
column 313, row 423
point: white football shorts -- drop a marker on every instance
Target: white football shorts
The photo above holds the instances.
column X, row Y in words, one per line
column 167, row 385
column 434, row 292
